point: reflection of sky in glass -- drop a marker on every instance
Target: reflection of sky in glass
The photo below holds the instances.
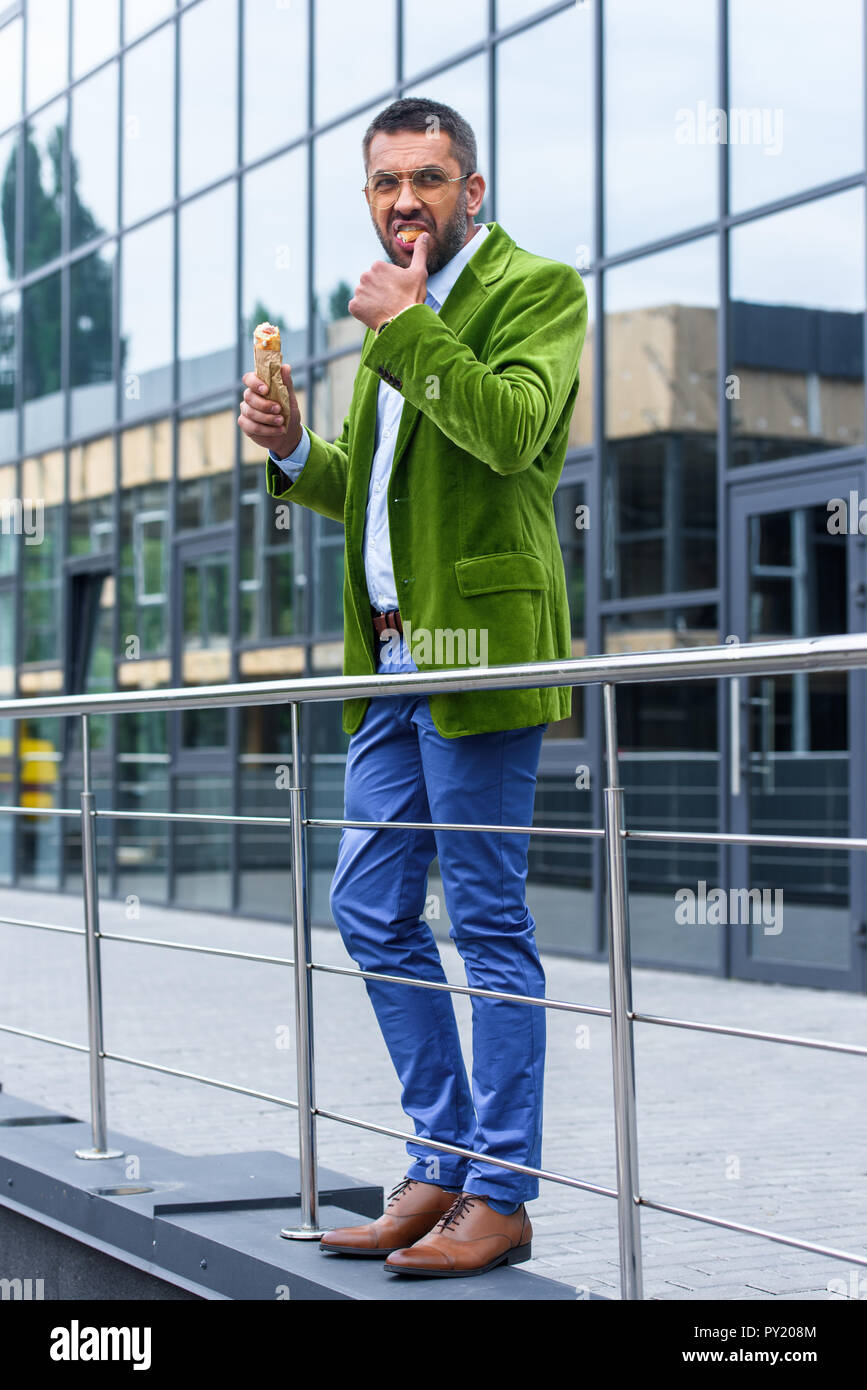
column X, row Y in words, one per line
column 209, row 92
column 95, row 33
column 10, row 66
column 432, row 33
column 143, row 14
column 94, row 147
column 807, row 62
column 47, row 49
column 345, row 241
column 354, row 53
column 510, row 11
column 659, row 59
column 812, row 255
column 545, row 137
column 146, row 296
column 207, row 270
column 275, row 250
column 148, row 122
column 683, row 275
column 465, row 90
column 274, row 111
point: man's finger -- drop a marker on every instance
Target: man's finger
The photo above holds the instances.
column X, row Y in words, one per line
column 419, row 253
column 255, row 383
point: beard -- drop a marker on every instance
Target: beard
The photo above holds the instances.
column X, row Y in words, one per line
column 444, row 243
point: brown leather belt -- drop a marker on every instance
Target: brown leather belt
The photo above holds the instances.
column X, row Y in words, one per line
column 383, row 620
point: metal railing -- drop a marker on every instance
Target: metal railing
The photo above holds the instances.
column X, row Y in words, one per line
column 730, row 661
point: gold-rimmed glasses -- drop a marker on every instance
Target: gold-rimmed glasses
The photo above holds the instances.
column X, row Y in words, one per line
column 431, row 184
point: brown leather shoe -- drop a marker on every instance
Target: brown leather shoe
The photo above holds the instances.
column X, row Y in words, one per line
column 470, row 1239
column 411, row 1209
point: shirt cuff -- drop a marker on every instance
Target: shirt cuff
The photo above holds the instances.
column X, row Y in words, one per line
column 294, row 462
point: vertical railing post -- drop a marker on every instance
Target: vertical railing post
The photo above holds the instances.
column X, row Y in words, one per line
column 90, row 885
column 309, row 1225
column 622, row 1053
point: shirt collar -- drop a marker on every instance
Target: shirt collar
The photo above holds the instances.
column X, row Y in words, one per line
column 441, row 282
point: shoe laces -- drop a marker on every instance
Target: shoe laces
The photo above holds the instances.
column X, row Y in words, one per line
column 400, row 1189
column 458, row 1209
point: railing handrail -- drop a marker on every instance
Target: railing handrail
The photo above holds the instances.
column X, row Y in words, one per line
column 836, row 653
column 841, row 652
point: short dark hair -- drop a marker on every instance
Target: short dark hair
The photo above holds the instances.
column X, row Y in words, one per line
column 418, row 113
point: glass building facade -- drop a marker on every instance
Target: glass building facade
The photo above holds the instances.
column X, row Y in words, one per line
column 172, row 174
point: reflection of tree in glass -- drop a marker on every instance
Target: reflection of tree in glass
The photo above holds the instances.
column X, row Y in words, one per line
column 260, row 315
column 90, row 279
column 338, row 301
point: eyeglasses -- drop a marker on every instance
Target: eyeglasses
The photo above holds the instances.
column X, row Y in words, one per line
column 430, row 184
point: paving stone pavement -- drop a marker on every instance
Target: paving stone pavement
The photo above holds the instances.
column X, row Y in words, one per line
column 769, row 1135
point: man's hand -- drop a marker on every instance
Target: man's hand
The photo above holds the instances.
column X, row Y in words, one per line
column 262, row 420
column 385, row 289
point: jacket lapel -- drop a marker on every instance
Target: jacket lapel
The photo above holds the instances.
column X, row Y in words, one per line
column 467, row 293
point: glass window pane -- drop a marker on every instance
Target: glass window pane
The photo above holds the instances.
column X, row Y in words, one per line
column 11, row 66
column 465, row 90
column 95, row 33
column 207, row 332
column 544, row 147
column 797, row 103
column 209, row 92
column 659, row 530
column 660, row 71
column 91, row 293
column 274, row 112
column 139, row 15
column 512, row 11
column 8, row 205
column 432, row 32
column 18, row 520
column 355, row 54
column 206, row 461
column 144, row 548
column 42, row 565
column 147, row 284
column 40, row 367
column 44, row 138
column 797, row 340
column 148, row 126
column 275, row 253
column 93, row 194
column 345, row 241
column 90, row 520
column 47, row 49
column 8, row 372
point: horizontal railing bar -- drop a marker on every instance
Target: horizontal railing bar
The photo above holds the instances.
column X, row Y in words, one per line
column 43, row 1037
column 822, row 1044
column 39, row 811
column 205, row 1080
column 718, row 837
column 453, row 825
column 40, row 926
column 831, row 1251
column 544, row 1003
column 199, row 950
column 466, row 1153
column 839, row 652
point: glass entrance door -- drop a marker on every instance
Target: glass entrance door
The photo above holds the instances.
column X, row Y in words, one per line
column 202, row 634
column 798, row 740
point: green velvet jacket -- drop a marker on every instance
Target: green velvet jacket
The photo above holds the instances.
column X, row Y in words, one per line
column 489, row 386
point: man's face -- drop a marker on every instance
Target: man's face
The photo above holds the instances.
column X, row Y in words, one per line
column 449, row 223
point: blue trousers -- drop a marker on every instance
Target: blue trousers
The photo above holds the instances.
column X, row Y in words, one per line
column 400, row 768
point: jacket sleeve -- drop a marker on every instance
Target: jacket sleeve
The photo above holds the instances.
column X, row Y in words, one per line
column 321, row 484
column 502, row 410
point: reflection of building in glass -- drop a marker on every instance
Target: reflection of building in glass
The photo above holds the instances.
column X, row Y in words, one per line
column 148, row 221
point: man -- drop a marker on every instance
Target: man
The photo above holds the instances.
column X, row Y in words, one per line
column 444, row 476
